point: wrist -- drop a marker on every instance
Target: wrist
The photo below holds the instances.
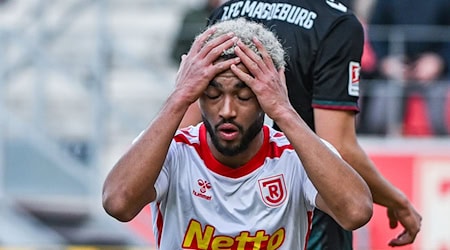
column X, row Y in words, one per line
column 177, row 103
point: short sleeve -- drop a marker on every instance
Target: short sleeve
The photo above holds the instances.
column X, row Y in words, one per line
column 162, row 182
column 310, row 193
column 337, row 69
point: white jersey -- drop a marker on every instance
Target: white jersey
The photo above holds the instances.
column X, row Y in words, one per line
column 203, row 204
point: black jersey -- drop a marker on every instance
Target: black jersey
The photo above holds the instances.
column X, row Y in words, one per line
column 323, row 40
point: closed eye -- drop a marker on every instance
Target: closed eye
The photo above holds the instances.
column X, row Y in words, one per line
column 244, row 98
column 212, row 92
column 245, row 94
column 212, row 97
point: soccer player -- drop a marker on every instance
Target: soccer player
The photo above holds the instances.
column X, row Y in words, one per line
column 232, row 182
column 324, row 40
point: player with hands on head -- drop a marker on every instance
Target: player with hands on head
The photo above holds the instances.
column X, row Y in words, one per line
column 323, row 40
column 232, row 182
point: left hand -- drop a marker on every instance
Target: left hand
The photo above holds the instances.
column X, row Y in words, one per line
column 268, row 84
column 410, row 219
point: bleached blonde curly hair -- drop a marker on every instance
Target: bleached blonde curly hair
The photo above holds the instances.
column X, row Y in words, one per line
column 245, row 30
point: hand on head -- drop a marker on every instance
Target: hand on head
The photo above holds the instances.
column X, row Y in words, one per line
column 268, row 83
column 233, row 42
column 199, row 66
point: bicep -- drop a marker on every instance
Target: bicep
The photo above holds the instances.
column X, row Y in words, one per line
column 336, row 127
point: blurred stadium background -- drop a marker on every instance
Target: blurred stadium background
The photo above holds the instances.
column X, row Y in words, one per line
column 79, row 79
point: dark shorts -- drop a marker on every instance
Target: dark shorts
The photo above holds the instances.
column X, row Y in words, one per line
column 327, row 234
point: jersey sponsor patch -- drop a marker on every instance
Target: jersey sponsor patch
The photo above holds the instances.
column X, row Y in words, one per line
column 354, row 69
column 273, row 190
column 198, row 237
column 284, row 12
column 204, row 186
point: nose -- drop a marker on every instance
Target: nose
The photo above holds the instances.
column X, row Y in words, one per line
column 228, row 108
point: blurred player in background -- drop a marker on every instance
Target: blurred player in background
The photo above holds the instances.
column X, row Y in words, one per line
column 192, row 23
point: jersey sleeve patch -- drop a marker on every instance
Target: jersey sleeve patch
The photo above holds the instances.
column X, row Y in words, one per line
column 354, row 69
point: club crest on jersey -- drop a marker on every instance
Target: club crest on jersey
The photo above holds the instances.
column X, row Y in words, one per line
column 273, row 190
column 204, row 187
column 354, row 69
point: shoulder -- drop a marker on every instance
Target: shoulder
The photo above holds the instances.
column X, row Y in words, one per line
column 335, row 12
column 189, row 135
column 310, row 14
column 278, row 142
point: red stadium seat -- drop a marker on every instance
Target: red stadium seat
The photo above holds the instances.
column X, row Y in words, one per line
column 416, row 121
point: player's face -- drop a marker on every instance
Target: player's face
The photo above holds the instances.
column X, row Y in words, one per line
column 231, row 113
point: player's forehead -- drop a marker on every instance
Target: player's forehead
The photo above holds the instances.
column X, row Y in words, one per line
column 229, row 80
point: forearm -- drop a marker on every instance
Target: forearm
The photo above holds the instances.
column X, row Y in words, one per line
column 130, row 184
column 383, row 192
column 341, row 188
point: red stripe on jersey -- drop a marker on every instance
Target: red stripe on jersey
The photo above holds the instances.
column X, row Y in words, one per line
column 268, row 149
column 335, row 107
column 183, row 138
column 159, row 224
column 308, row 233
column 276, row 151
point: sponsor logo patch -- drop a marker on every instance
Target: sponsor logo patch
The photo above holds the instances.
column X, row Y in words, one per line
column 198, row 236
column 204, row 187
column 354, row 69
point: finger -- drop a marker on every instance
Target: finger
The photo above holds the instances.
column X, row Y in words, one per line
column 264, row 54
column 201, row 39
column 224, row 65
column 246, row 78
column 393, row 221
column 249, row 58
column 402, row 239
column 282, row 77
column 214, row 48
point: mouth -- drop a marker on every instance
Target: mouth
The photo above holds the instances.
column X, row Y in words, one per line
column 228, row 131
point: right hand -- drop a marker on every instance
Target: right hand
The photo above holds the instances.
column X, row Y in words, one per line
column 409, row 218
column 199, row 66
